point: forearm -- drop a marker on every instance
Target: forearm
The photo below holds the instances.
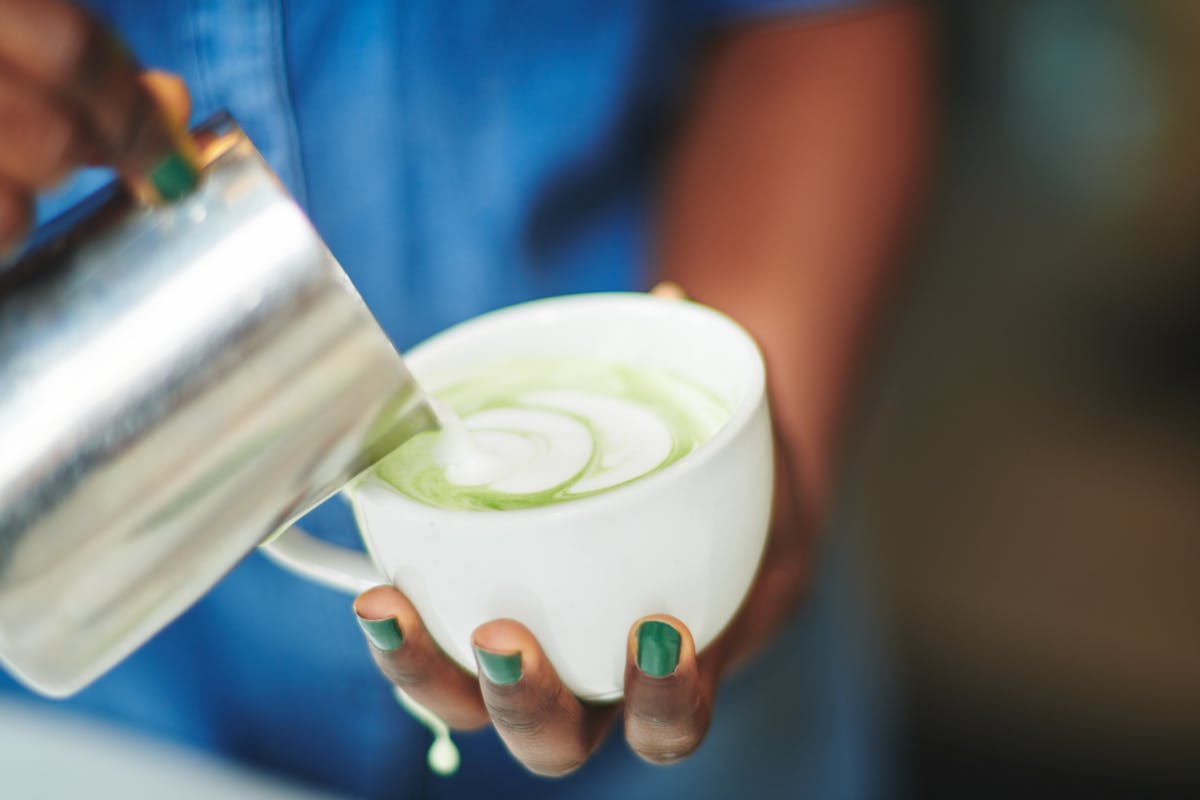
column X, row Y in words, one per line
column 790, row 187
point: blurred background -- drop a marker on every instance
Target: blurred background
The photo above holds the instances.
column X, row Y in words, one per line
column 1025, row 492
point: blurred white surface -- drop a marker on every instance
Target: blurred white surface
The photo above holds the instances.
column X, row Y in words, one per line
column 50, row 754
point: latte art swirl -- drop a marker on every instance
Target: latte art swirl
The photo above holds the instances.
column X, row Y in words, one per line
column 538, row 432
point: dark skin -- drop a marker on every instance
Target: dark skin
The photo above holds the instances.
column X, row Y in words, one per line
column 803, row 182
column 70, row 96
column 788, row 189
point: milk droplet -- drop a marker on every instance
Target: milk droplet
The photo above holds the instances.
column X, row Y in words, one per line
column 443, row 756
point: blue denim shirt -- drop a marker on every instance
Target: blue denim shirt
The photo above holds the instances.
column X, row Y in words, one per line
column 456, row 157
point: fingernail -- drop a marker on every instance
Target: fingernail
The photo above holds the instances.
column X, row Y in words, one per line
column 174, row 176
column 657, row 648
column 502, row 669
column 383, row 634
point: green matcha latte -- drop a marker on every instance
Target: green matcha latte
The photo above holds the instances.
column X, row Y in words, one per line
column 535, row 432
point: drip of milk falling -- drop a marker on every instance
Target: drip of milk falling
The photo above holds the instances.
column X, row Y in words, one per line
column 443, row 757
column 455, row 446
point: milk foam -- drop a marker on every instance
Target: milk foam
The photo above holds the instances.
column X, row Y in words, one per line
column 542, row 431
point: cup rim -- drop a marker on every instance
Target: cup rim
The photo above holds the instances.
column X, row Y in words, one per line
column 740, row 416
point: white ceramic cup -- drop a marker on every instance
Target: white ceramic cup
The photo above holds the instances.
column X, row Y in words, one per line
column 684, row 541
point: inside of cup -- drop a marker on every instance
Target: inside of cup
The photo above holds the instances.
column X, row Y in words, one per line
column 692, row 341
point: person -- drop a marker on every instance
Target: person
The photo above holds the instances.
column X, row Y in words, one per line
column 458, row 157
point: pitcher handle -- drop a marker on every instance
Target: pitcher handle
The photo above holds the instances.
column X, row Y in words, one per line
column 332, row 565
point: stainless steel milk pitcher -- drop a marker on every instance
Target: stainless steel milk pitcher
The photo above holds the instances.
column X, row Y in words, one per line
column 176, row 384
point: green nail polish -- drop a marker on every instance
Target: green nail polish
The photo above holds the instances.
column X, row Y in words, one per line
column 657, row 648
column 383, row 634
column 502, row 669
column 174, row 177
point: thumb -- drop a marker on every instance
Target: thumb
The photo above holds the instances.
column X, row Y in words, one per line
column 171, row 94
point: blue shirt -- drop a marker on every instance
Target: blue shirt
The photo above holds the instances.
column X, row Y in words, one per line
column 456, row 157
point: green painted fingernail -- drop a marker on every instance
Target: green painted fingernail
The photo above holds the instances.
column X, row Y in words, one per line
column 174, row 176
column 383, row 634
column 657, row 648
column 502, row 669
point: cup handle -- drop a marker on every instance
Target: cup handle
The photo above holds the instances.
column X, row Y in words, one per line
column 353, row 572
column 339, row 568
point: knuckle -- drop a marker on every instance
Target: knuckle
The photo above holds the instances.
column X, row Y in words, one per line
column 514, row 713
column 402, row 672
column 660, row 723
column 516, row 718
column 666, row 740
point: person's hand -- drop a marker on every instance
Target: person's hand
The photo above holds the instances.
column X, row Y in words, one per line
column 669, row 688
column 72, row 95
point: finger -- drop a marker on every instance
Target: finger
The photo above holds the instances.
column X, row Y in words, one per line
column 46, row 40
column 668, row 696
column 543, row 725
column 171, row 94
column 40, row 142
column 410, row 659
column 669, row 290
column 16, row 218
column 65, row 50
